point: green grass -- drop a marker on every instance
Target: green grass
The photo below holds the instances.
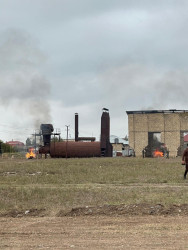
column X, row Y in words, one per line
column 56, row 184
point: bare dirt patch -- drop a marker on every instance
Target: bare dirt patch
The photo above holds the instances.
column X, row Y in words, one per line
column 108, row 210
column 29, row 212
column 134, row 209
column 94, row 232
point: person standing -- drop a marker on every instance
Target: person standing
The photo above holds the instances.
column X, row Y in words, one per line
column 185, row 161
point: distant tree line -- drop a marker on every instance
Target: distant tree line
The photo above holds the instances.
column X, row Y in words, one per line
column 6, row 148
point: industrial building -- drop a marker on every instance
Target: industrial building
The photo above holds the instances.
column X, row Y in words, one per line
column 120, row 146
column 152, row 129
column 81, row 146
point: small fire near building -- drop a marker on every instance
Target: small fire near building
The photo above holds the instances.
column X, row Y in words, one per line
column 156, row 133
column 30, row 154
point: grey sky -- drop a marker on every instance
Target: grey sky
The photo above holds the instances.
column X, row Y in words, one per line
column 65, row 56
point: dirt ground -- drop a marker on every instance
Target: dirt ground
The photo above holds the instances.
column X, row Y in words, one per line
column 95, row 232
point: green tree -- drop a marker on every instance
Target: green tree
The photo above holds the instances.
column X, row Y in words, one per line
column 6, row 148
column 126, row 138
column 28, row 142
column 56, row 139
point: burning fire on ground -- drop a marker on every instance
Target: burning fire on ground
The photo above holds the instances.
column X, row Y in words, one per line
column 30, row 154
column 158, row 153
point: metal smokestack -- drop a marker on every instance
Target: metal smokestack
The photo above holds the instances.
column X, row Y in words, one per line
column 106, row 147
column 76, row 126
column 77, row 138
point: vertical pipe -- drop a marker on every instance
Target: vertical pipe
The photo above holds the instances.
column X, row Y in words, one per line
column 35, row 143
column 76, row 126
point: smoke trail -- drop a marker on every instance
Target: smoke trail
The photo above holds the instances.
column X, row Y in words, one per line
column 22, row 86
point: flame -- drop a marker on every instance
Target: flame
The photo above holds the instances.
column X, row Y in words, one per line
column 30, row 154
column 157, row 153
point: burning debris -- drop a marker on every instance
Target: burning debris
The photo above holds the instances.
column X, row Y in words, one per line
column 31, row 154
column 158, row 153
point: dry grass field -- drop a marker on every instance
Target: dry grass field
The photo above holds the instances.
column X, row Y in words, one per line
column 96, row 203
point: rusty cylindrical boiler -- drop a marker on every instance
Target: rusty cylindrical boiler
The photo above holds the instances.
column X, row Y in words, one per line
column 81, row 147
column 73, row 149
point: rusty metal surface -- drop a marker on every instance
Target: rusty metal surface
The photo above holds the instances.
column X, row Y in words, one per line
column 44, row 149
column 105, row 129
column 106, row 147
column 86, row 138
column 75, row 149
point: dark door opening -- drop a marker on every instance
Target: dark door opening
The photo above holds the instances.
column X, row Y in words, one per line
column 154, row 143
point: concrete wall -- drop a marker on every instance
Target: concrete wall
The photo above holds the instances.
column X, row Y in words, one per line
column 170, row 125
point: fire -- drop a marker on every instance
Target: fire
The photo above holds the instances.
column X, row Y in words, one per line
column 30, row 154
column 157, row 153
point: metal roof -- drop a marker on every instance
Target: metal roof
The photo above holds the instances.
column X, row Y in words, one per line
column 15, row 143
column 156, row 111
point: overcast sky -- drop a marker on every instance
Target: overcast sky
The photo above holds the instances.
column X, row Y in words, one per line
column 59, row 57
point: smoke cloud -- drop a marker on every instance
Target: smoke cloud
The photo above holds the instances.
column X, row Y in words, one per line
column 22, row 86
column 144, row 87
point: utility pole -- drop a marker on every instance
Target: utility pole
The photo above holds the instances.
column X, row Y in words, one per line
column 67, row 126
column 35, row 143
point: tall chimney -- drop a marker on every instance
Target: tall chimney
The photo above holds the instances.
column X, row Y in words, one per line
column 76, row 126
column 106, row 147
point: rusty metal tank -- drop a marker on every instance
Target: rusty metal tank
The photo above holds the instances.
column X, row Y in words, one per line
column 75, row 149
